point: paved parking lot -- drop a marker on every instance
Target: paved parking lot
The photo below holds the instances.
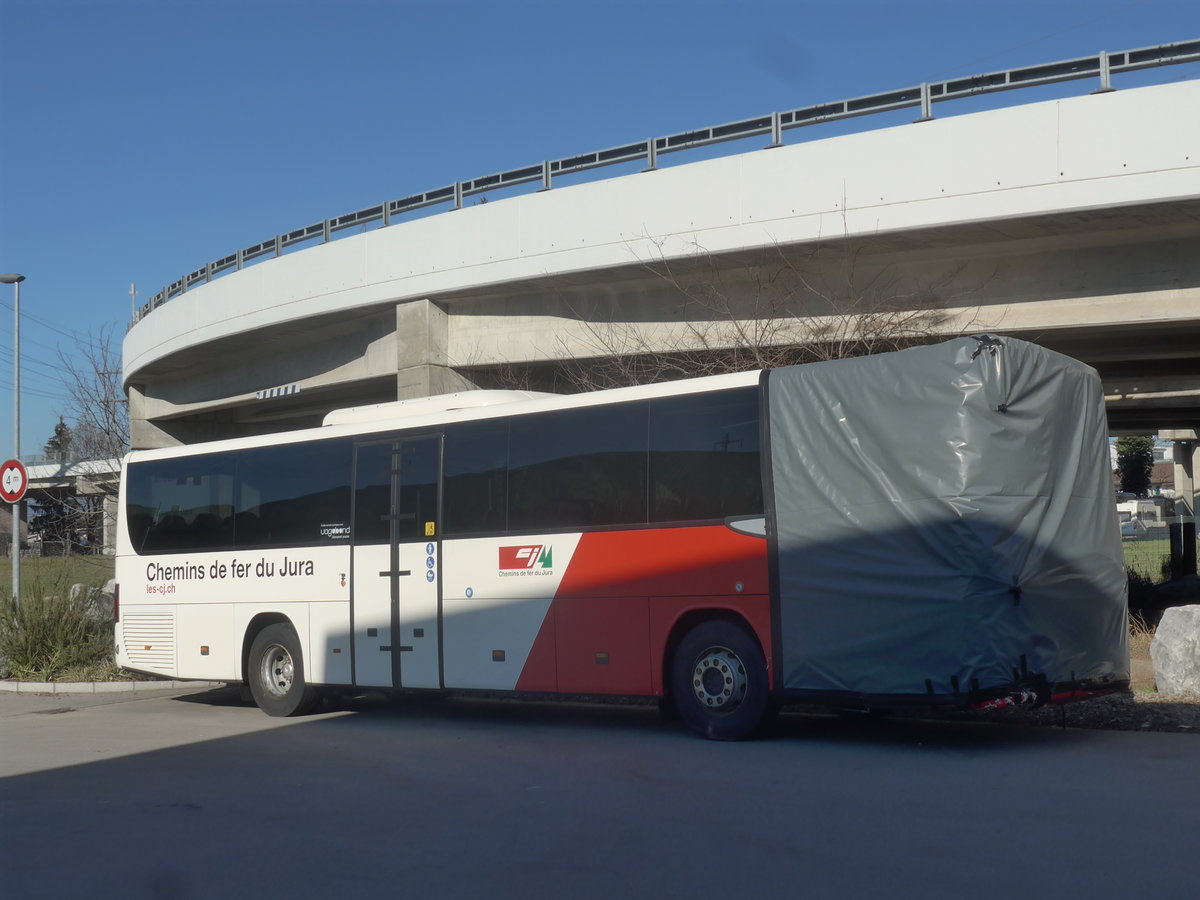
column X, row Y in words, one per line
column 193, row 795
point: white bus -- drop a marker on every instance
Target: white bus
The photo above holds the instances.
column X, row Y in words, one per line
column 725, row 544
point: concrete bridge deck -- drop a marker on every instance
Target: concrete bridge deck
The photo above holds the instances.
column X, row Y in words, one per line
column 1074, row 223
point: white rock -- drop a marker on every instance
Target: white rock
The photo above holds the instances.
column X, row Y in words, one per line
column 1175, row 651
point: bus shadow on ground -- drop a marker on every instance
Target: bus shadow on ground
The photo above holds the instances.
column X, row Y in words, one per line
column 428, row 710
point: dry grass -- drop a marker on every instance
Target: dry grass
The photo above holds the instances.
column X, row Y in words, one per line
column 1140, row 636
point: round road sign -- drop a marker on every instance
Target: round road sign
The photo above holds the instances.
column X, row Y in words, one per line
column 13, row 481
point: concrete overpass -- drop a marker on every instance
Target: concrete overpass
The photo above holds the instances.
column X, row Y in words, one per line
column 60, row 480
column 1074, row 223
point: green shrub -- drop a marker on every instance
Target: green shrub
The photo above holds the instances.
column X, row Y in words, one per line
column 52, row 633
column 1144, row 600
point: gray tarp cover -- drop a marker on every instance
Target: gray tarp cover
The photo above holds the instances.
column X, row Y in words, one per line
column 944, row 512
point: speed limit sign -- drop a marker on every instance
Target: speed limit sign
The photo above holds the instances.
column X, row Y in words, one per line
column 14, row 480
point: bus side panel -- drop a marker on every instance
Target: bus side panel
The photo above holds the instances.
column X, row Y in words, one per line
column 212, row 599
column 205, row 649
column 329, row 643
column 540, row 672
column 297, row 614
column 145, row 637
column 602, row 645
column 665, row 612
column 496, row 596
column 623, row 592
column 667, row 562
column 487, row 642
column 618, row 645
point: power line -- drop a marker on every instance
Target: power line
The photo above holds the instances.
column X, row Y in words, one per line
column 44, row 384
column 73, row 335
column 6, row 354
column 7, row 385
column 47, row 392
column 56, row 348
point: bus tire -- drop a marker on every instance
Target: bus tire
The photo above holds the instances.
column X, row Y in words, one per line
column 719, row 681
column 275, row 671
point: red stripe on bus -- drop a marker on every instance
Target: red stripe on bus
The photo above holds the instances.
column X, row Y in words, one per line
column 623, row 592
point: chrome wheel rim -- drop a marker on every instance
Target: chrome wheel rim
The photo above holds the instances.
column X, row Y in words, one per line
column 719, row 679
column 277, row 670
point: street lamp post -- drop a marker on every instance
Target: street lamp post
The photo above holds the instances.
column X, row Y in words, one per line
column 15, row 280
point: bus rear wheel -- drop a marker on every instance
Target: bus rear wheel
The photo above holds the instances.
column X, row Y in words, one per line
column 276, row 673
column 719, row 681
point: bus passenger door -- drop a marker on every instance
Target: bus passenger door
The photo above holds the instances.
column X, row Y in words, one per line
column 396, row 589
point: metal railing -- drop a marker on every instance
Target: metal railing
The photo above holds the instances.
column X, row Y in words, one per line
column 1102, row 66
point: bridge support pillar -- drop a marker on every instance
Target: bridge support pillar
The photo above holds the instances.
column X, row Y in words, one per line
column 143, row 433
column 1187, row 497
column 1187, row 455
column 422, row 339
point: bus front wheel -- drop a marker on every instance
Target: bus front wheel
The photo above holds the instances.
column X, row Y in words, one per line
column 276, row 673
column 719, row 681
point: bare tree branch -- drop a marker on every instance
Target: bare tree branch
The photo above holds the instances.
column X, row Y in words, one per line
column 781, row 306
column 780, row 310
column 98, row 406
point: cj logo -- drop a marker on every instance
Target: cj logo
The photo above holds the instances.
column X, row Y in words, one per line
column 528, row 556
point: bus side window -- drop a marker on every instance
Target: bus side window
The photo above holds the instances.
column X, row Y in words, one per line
column 373, row 493
column 292, row 491
column 475, row 472
column 578, row 468
column 172, row 505
column 704, row 456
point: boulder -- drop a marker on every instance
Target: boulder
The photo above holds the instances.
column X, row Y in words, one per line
column 1175, row 651
column 99, row 599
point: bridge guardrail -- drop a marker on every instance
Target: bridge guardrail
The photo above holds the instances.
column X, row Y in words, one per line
column 1102, row 66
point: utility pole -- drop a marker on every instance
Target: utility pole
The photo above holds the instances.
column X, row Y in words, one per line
column 15, row 280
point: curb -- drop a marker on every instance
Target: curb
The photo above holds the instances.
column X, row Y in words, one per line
column 100, row 687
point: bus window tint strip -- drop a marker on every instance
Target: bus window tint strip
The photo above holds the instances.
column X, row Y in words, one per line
column 688, row 458
column 676, row 459
column 475, row 476
column 578, row 468
column 292, row 495
column 295, row 495
column 704, row 457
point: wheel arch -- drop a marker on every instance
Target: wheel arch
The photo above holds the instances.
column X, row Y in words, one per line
column 689, row 620
column 253, row 627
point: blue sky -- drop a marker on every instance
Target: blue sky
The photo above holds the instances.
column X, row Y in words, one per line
column 141, row 139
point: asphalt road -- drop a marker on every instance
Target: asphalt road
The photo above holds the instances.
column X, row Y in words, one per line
column 195, row 796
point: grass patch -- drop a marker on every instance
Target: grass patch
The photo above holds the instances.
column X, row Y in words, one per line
column 56, row 633
column 1150, row 560
column 54, row 569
